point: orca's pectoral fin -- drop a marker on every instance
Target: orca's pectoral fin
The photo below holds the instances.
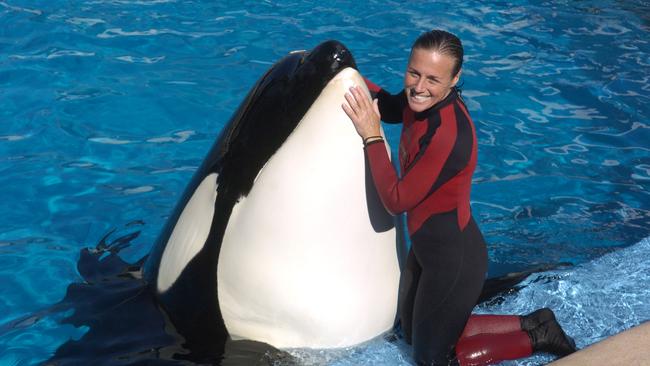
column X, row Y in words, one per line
column 102, row 261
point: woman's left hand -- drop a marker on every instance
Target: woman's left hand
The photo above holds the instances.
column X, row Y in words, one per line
column 363, row 112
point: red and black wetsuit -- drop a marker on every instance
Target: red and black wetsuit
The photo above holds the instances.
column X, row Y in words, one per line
column 447, row 263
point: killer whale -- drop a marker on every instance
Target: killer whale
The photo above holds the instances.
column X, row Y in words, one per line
column 279, row 237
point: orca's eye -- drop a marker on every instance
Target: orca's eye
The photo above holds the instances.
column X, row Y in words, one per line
column 340, row 55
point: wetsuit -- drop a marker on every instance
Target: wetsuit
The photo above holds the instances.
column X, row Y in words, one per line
column 447, row 263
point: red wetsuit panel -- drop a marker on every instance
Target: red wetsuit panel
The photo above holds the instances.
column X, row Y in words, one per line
column 374, row 88
column 492, row 324
column 437, row 158
column 488, row 339
column 491, row 348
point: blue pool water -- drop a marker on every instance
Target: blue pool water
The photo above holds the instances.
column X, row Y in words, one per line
column 108, row 106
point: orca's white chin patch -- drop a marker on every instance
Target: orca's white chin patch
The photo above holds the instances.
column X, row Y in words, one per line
column 190, row 233
column 300, row 263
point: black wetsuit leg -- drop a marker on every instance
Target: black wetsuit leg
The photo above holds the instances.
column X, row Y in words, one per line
column 453, row 268
column 407, row 289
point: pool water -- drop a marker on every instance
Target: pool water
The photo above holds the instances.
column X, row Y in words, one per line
column 108, row 106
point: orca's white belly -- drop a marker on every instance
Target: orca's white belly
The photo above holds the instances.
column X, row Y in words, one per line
column 300, row 264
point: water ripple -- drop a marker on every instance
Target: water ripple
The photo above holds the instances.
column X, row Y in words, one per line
column 130, row 2
column 20, row 9
column 119, row 32
column 144, row 60
column 52, row 54
column 85, row 21
column 178, row 137
column 613, row 145
column 110, row 141
column 575, row 111
column 14, row 137
column 644, row 168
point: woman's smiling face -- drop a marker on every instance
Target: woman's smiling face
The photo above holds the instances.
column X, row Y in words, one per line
column 428, row 78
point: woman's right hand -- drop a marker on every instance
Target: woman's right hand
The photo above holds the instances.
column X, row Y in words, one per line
column 363, row 112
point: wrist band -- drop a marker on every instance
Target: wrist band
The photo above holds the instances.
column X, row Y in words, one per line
column 371, row 140
column 371, row 137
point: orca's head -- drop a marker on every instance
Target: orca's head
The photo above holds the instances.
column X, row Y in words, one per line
column 324, row 62
column 330, row 57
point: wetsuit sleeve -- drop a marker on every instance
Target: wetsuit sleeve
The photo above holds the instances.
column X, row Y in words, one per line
column 400, row 195
column 390, row 106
